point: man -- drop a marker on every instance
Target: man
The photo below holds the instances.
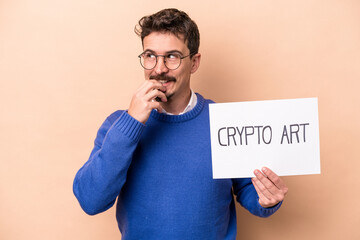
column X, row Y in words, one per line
column 156, row 157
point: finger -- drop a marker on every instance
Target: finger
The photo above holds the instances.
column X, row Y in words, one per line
column 261, row 189
column 278, row 182
column 277, row 194
column 157, row 106
column 155, row 93
column 266, row 199
column 269, row 185
column 148, row 86
column 152, row 84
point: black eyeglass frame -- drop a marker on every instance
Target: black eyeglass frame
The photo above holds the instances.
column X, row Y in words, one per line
column 156, row 57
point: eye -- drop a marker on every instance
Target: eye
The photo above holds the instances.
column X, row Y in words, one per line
column 172, row 56
column 149, row 55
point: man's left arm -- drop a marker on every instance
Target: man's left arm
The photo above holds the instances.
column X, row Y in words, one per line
column 257, row 194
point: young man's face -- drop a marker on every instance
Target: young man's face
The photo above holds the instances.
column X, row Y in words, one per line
column 177, row 82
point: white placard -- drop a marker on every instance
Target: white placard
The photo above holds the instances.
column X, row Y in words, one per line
column 280, row 134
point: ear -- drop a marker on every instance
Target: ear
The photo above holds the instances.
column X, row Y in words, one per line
column 195, row 62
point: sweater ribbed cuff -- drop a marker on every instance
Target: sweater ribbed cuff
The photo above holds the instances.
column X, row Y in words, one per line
column 271, row 210
column 128, row 125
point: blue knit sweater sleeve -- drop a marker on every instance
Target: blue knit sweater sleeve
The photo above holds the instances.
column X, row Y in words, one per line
column 247, row 196
column 99, row 181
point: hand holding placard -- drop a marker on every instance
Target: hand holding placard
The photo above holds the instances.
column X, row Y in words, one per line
column 269, row 186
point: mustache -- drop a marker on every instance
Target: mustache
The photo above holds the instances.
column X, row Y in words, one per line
column 162, row 77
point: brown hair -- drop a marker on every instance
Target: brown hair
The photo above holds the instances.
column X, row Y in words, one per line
column 173, row 21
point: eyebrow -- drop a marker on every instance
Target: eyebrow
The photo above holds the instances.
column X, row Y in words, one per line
column 167, row 52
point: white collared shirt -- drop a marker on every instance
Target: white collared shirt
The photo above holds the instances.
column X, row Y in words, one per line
column 192, row 103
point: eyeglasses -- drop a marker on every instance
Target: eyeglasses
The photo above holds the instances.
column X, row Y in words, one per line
column 148, row 60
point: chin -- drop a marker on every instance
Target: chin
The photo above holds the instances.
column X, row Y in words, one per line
column 169, row 96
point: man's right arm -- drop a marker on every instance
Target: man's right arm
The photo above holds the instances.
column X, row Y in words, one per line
column 99, row 181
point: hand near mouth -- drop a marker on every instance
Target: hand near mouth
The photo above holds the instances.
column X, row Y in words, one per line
column 142, row 102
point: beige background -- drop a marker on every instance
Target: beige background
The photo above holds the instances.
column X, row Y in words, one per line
column 65, row 65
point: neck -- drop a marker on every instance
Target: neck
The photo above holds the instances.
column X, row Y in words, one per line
column 177, row 105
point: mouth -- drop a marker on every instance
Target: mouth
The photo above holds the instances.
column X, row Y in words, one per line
column 164, row 81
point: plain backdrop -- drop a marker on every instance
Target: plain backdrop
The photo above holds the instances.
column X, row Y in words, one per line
column 66, row 65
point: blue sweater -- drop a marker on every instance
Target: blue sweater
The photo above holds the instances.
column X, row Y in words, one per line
column 161, row 173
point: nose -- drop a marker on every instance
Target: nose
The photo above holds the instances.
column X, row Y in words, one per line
column 160, row 66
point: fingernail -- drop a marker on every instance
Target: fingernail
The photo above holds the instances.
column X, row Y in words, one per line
column 256, row 172
column 264, row 169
